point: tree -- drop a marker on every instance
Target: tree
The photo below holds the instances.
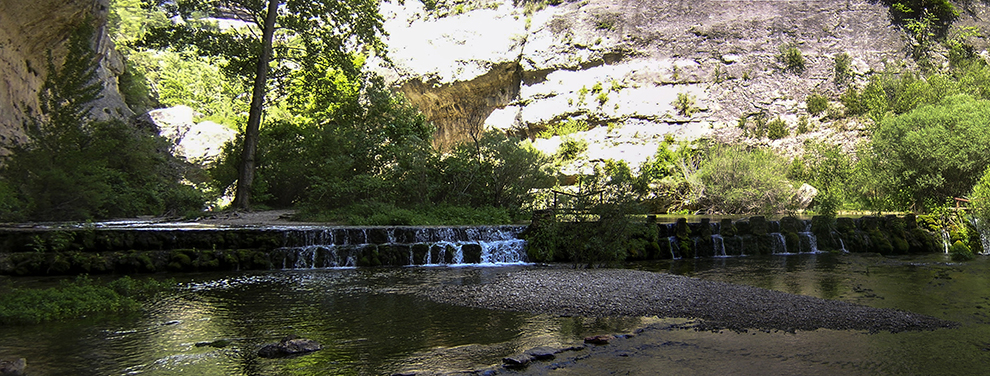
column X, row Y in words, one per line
column 309, row 35
column 930, row 154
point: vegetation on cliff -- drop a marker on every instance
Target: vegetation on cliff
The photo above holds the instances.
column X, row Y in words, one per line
column 75, row 168
column 341, row 144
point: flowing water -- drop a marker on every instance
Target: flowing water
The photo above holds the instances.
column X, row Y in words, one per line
column 371, row 322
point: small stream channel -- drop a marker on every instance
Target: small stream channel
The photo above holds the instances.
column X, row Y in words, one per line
column 371, row 321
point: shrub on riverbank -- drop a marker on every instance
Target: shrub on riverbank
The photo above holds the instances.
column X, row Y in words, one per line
column 76, row 298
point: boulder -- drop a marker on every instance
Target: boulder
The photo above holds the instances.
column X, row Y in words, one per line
column 804, row 195
column 199, row 143
column 289, row 346
column 12, row 367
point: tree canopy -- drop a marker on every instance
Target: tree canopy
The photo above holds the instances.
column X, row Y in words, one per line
column 307, row 36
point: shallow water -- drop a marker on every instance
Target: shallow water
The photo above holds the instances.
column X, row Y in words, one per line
column 368, row 321
column 371, row 323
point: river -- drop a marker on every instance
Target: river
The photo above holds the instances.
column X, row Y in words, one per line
column 372, row 321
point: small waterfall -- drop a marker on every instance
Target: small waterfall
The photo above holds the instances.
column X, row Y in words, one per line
column 351, row 247
column 945, row 240
column 778, row 245
column 843, row 245
column 719, row 244
column 675, row 249
column 812, row 241
column 984, row 234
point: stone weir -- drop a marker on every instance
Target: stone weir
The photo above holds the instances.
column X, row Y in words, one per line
column 147, row 249
column 789, row 235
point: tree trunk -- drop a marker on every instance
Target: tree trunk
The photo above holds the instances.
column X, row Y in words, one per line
column 242, row 198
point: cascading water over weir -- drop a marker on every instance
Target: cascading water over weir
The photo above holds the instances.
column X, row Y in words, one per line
column 350, row 247
column 742, row 238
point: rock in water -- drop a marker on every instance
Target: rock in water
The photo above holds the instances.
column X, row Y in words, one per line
column 289, row 346
column 599, row 340
column 12, row 367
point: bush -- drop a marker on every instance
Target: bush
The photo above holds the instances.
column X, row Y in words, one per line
column 842, row 68
column 930, row 154
column 685, row 105
column 571, row 148
column 802, row 126
column 980, row 197
column 564, row 128
column 741, row 181
column 792, row 59
column 777, row 129
column 817, row 104
column 850, row 100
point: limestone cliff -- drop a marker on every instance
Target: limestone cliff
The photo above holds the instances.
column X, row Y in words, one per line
column 470, row 65
column 28, row 30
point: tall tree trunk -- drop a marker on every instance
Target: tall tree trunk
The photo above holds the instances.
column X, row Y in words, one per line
column 242, row 198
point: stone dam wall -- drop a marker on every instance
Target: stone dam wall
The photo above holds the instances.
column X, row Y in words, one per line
column 123, row 250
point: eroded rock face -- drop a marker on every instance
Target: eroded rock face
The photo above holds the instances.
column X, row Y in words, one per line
column 623, row 63
column 28, row 30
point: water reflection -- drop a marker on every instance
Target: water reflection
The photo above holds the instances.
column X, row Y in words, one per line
column 368, row 321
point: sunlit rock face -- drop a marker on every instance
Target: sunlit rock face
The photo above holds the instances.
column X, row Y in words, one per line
column 620, row 65
column 28, row 31
column 198, row 142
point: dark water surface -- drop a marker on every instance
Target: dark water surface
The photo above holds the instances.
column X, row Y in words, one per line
column 371, row 322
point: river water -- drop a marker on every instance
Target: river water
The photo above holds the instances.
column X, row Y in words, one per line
column 372, row 322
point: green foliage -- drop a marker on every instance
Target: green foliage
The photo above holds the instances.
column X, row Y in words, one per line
column 923, row 16
column 495, row 170
column 312, row 35
column 980, row 197
column 829, row 170
column 570, row 149
column 668, row 182
column 601, row 235
column 685, row 105
column 791, row 59
column 777, row 129
column 817, row 104
column 182, row 77
column 73, row 299
column 929, row 154
column 76, row 168
column 893, row 93
column 362, row 143
column 563, row 128
column 842, row 68
column 741, row 181
column 802, row 126
column 371, row 213
column 607, row 21
column 850, row 100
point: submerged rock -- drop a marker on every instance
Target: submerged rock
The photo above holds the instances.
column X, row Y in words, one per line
column 220, row 343
column 289, row 346
column 12, row 367
column 599, row 340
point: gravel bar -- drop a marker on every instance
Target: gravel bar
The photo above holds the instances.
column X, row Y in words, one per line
column 620, row 292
